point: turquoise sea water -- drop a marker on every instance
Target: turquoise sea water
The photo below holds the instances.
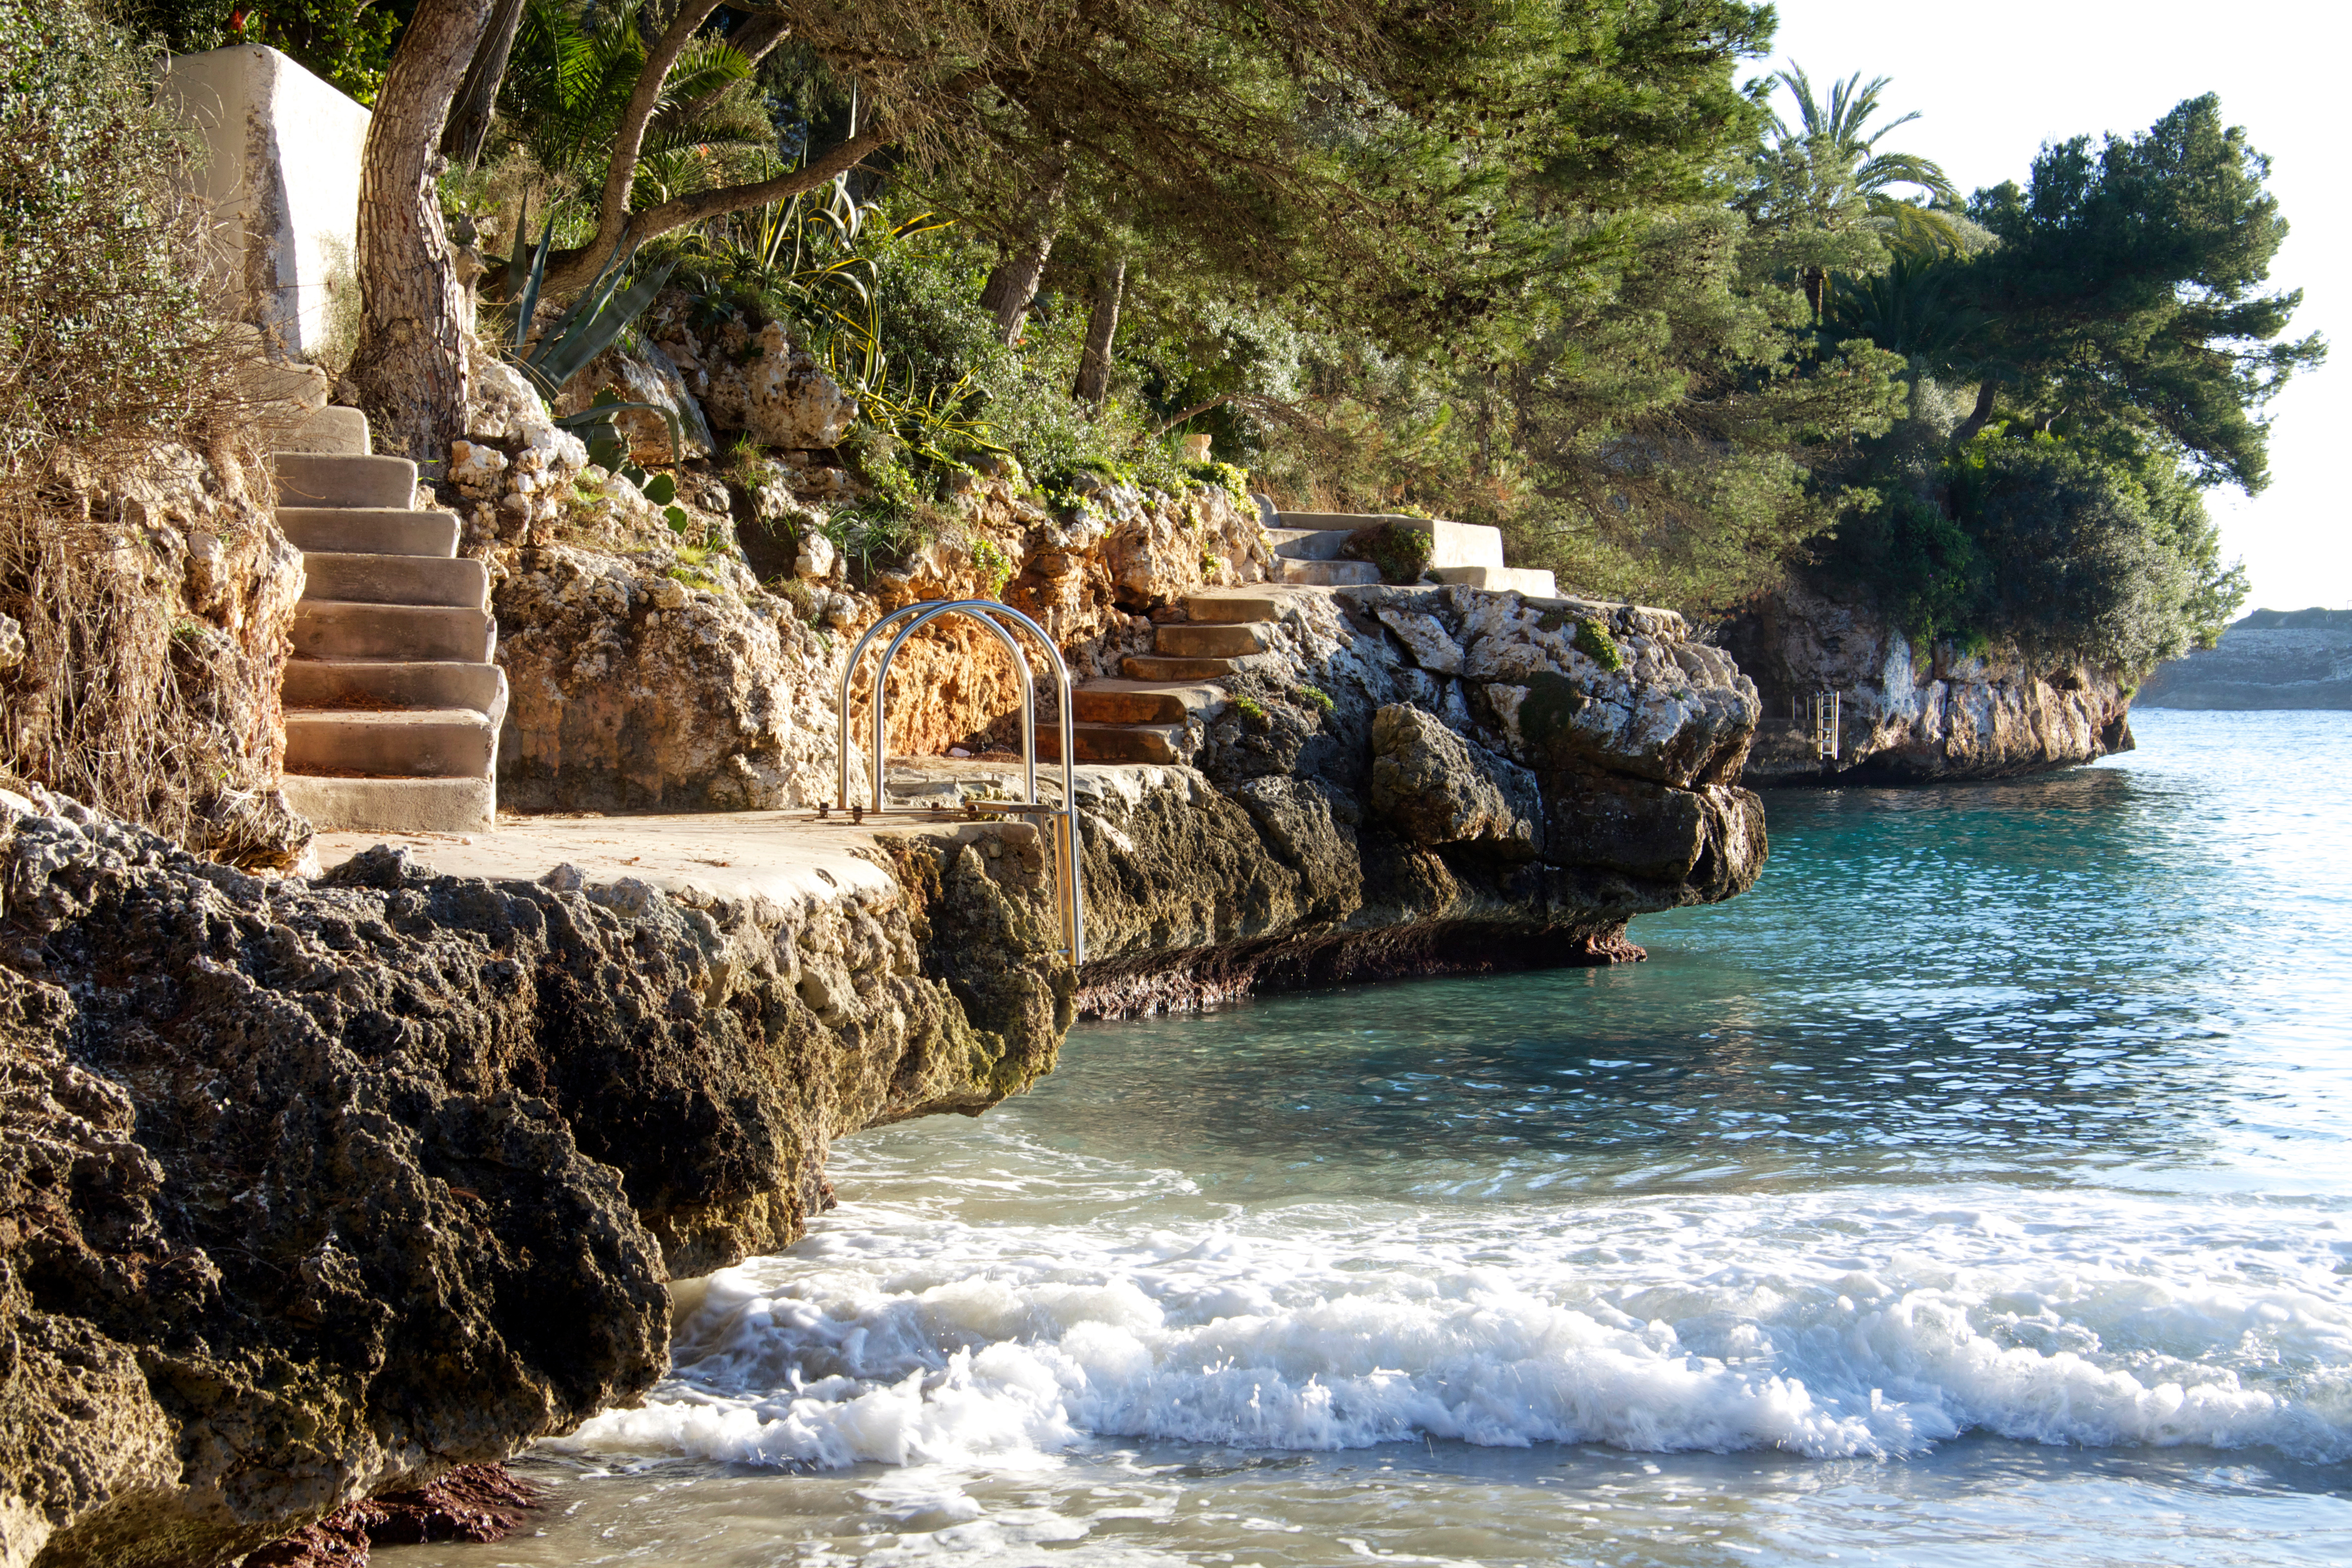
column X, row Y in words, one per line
column 1975, row 1190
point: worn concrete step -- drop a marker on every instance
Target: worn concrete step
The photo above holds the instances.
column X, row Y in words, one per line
column 400, row 742
column 325, row 628
column 373, row 683
column 1230, row 607
column 1115, row 744
column 336, row 478
column 1143, row 701
column 343, row 432
column 369, row 530
column 396, row 580
column 1329, row 574
column 1308, row 543
column 1183, row 641
column 394, row 806
column 1158, row 667
column 1512, row 579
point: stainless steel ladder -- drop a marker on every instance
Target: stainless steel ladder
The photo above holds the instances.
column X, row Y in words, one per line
column 1062, row 820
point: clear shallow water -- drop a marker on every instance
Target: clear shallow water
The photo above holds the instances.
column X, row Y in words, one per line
column 1974, row 1191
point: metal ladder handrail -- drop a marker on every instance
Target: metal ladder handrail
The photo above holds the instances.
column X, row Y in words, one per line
column 1066, row 816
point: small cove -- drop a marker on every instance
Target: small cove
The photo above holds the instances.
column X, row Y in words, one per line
column 1975, row 1190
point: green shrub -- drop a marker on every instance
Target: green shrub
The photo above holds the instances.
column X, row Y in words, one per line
column 1401, row 552
column 1317, row 698
column 1254, row 713
column 1593, row 641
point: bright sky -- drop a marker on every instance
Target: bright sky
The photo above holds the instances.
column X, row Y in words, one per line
column 1994, row 80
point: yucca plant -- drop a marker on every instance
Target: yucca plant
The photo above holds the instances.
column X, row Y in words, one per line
column 593, row 324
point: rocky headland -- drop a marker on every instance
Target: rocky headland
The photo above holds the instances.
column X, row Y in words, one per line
column 317, row 1187
column 2270, row 658
column 1912, row 714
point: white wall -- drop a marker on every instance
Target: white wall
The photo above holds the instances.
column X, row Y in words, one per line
column 283, row 180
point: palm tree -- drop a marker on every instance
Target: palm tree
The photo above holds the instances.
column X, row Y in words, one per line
column 1829, row 161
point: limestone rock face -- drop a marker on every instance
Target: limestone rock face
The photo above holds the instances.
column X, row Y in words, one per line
column 759, row 383
column 632, row 691
column 1435, row 788
column 1513, row 806
column 1914, row 714
column 313, row 1191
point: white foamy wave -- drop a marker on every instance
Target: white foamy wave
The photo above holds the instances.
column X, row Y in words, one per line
column 1827, row 1325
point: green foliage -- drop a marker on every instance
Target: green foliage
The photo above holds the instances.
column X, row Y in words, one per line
column 1401, row 552
column 1593, row 641
column 994, row 566
column 1226, row 476
column 346, row 44
column 1254, row 713
column 102, row 325
column 2126, row 292
column 1317, row 698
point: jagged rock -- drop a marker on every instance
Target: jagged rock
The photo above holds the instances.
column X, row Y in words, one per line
column 1913, row 713
column 644, row 373
column 1435, row 788
column 309, row 1191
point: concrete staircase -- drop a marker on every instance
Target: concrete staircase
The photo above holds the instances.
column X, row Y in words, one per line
column 1308, row 545
column 392, row 706
column 1142, row 717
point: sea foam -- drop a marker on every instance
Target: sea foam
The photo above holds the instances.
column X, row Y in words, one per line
column 1860, row 1322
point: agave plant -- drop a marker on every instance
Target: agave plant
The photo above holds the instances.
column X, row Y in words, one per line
column 593, row 324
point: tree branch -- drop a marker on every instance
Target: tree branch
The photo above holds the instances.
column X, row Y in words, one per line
column 629, row 139
column 570, row 269
column 1196, row 408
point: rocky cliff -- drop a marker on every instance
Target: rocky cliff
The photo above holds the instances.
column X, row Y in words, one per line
column 2270, row 658
column 1912, row 714
column 1422, row 781
column 309, row 1190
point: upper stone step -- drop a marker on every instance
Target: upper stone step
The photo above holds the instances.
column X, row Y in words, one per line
column 1186, row 641
column 1229, row 609
column 396, row 683
column 1143, row 701
column 369, row 531
column 398, row 580
column 1534, row 580
column 326, row 628
column 405, row 743
column 1329, row 574
column 344, row 431
column 1451, row 543
column 1158, row 668
column 324, row 479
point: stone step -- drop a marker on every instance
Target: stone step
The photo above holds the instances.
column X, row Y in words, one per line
column 369, row 530
column 394, row 806
column 1115, row 744
column 1329, row 574
column 331, row 478
column 326, row 628
column 343, row 432
column 405, row 743
column 398, row 580
column 1157, row 667
column 1183, row 641
column 396, row 683
column 1143, row 701
column 1451, row 543
column 1532, row 580
column 1308, row 543
column 1226, row 608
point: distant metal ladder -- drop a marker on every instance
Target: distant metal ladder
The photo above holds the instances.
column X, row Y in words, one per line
column 1824, row 713
column 1063, row 819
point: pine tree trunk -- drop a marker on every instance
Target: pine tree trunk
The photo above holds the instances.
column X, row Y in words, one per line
column 1094, row 366
column 478, row 96
column 1013, row 284
column 410, row 364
